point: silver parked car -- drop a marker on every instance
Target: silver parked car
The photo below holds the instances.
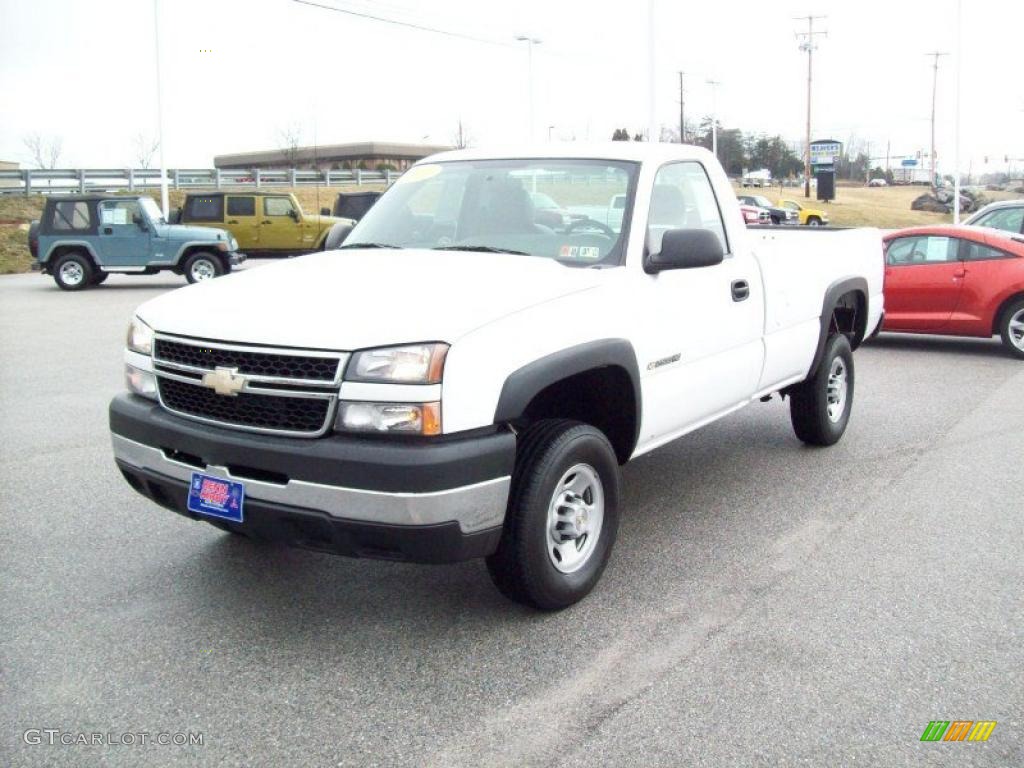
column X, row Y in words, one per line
column 1007, row 215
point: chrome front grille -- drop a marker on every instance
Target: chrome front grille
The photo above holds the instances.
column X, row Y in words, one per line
column 282, row 391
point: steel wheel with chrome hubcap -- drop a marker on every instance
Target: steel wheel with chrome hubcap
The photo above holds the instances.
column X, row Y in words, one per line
column 575, row 516
column 562, row 515
column 820, row 406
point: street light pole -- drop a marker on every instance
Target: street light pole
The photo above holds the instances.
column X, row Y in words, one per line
column 530, row 42
column 935, row 87
column 164, row 204
column 651, row 64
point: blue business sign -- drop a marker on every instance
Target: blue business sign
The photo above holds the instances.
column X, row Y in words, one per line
column 909, row 162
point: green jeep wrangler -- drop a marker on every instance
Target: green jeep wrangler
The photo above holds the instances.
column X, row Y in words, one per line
column 264, row 223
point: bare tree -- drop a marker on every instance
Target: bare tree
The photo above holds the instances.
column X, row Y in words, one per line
column 45, row 152
column 145, row 148
column 290, row 139
column 462, row 138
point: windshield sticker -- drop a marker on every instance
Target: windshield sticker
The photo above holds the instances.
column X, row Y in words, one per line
column 585, row 252
column 419, row 173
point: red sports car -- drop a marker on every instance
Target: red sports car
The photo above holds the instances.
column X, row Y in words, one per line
column 957, row 281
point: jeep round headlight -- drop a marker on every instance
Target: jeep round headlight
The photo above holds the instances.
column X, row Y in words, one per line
column 410, row 364
column 140, row 337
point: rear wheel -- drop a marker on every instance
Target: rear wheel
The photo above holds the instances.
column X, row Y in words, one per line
column 1012, row 328
column 820, row 407
column 203, row 266
column 73, row 271
column 562, row 515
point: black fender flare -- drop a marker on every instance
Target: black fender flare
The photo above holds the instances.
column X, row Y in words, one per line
column 525, row 383
column 839, row 288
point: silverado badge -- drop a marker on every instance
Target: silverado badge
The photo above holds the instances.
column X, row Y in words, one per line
column 224, row 381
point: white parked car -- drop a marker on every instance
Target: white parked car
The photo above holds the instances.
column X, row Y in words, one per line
column 460, row 381
column 878, row 183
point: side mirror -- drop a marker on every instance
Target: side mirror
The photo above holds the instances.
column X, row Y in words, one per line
column 325, row 211
column 294, row 214
column 686, row 249
column 337, row 235
column 140, row 222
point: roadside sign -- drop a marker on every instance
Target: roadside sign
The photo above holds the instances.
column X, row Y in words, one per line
column 825, row 152
column 908, row 162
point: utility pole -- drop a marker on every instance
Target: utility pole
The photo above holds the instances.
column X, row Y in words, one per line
column 956, row 121
column 164, row 205
column 652, row 60
column 714, row 116
column 808, row 45
column 682, row 110
column 935, row 83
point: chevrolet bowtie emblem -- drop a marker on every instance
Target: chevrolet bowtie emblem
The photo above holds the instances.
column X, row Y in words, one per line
column 224, row 381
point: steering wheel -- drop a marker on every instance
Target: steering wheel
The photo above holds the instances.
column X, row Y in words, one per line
column 589, row 223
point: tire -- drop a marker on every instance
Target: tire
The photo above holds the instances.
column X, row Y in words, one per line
column 99, row 277
column 810, row 402
column 813, row 221
column 73, row 271
column 1011, row 328
column 558, row 460
column 202, row 265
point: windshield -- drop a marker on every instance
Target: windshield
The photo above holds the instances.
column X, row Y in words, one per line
column 570, row 210
column 152, row 209
column 764, row 202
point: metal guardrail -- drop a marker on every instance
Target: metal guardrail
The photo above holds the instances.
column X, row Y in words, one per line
column 46, row 181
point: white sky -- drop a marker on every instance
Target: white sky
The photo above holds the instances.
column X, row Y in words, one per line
column 84, row 71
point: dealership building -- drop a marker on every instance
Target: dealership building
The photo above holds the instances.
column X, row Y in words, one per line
column 368, row 155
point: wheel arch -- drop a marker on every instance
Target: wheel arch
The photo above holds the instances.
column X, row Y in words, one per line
column 845, row 309
column 597, row 382
column 61, row 247
column 997, row 318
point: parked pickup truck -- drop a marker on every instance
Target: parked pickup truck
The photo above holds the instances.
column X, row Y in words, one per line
column 459, row 381
column 82, row 239
column 264, row 223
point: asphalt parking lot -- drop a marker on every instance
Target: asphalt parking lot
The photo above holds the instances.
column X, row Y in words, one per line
column 767, row 603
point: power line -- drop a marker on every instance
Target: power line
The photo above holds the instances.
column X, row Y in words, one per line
column 400, row 23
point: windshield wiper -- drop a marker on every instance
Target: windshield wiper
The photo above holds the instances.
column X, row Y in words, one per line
column 479, row 249
column 370, row 245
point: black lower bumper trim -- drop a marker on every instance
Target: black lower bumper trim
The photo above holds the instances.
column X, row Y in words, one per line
column 312, row 529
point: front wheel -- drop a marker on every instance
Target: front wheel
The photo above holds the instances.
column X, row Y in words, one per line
column 813, row 221
column 820, row 407
column 1012, row 328
column 562, row 515
column 203, row 266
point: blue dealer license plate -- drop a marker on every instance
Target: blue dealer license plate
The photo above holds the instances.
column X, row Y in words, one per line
column 215, row 497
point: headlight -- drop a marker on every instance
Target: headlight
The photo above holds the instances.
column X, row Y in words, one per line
column 412, row 364
column 140, row 337
column 404, row 418
column 140, row 382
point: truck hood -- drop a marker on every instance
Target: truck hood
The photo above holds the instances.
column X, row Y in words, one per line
column 183, row 232
column 344, row 300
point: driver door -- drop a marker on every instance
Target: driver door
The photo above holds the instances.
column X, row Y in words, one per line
column 702, row 352
column 923, row 281
column 280, row 225
column 122, row 240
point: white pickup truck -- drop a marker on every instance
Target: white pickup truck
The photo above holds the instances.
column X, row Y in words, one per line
column 460, row 380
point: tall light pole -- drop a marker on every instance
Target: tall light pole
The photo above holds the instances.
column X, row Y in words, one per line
column 956, row 123
column 550, row 128
column 164, row 204
column 935, row 87
column 530, row 42
column 714, row 116
column 808, row 45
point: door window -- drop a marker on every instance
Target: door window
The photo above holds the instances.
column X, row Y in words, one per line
column 1008, row 219
column 908, row 251
column 241, row 206
column 277, row 206
column 682, row 198
column 119, row 213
